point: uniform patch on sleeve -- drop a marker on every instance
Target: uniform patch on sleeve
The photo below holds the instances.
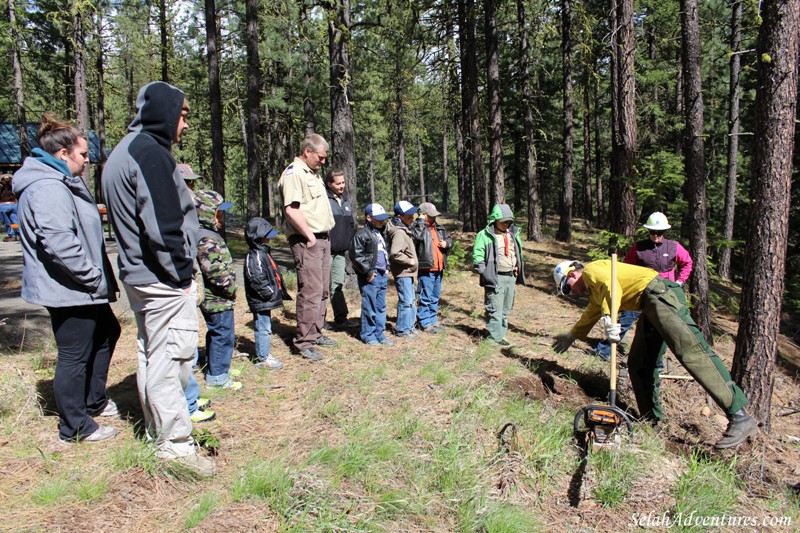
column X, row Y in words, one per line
column 289, row 170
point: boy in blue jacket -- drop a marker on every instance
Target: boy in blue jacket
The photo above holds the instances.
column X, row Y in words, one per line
column 264, row 288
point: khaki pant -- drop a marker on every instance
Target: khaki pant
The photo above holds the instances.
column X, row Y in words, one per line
column 167, row 343
column 498, row 303
column 313, row 284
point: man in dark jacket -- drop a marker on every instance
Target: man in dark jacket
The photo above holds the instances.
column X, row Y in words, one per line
column 433, row 247
column 155, row 225
column 340, row 235
column 370, row 259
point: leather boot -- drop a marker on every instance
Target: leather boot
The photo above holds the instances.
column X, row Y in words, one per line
column 740, row 426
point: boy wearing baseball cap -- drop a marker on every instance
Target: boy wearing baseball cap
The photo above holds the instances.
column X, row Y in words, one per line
column 403, row 264
column 370, row 260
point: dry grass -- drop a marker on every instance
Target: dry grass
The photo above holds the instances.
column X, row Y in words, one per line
column 397, row 439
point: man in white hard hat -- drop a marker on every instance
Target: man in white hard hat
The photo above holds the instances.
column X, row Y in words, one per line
column 664, row 319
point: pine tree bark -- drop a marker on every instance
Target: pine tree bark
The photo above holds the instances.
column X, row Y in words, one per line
column 598, row 158
column 496, row 167
column 19, row 94
column 163, row 28
column 534, row 206
column 79, row 74
column 401, row 167
column 621, row 208
column 734, row 93
column 587, row 153
column 762, row 289
column 343, row 141
column 695, row 165
column 255, row 205
column 564, row 233
column 101, row 100
column 215, row 100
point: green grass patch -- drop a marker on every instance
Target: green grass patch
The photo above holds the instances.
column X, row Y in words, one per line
column 135, row 453
column 436, row 372
column 708, row 487
column 614, row 471
column 57, row 489
column 205, row 504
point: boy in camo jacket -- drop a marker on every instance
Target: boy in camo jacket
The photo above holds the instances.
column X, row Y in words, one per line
column 219, row 280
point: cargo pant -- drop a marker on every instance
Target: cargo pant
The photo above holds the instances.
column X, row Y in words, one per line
column 665, row 319
column 498, row 302
column 167, row 344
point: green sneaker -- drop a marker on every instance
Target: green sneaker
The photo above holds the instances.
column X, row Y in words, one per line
column 203, row 403
column 203, row 415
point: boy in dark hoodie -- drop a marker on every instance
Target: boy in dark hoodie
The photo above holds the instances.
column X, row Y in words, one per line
column 403, row 264
column 264, row 288
column 497, row 257
column 219, row 298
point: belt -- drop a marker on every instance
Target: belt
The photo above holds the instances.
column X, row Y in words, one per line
column 509, row 273
column 321, row 235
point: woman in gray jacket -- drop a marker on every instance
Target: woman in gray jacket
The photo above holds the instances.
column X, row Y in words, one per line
column 67, row 271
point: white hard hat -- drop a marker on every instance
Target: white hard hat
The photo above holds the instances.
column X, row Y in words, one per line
column 561, row 271
column 657, row 221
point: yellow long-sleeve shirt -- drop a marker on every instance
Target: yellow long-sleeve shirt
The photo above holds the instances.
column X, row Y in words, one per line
column 631, row 281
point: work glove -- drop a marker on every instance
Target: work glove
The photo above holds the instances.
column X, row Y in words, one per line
column 563, row 342
column 613, row 329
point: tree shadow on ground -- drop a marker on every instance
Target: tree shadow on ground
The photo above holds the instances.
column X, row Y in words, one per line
column 125, row 394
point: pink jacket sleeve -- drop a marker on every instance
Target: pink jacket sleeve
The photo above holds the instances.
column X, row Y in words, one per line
column 683, row 262
column 632, row 259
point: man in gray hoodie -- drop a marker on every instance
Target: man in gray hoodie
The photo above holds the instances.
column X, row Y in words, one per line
column 155, row 225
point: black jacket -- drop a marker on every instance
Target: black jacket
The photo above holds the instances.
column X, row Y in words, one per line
column 263, row 284
column 424, row 241
column 345, row 225
column 364, row 251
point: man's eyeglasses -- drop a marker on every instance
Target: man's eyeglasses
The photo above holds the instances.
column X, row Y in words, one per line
column 657, row 233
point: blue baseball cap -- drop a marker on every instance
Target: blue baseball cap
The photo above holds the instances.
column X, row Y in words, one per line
column 376, row 211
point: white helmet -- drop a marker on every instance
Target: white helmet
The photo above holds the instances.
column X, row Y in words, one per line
column 657, row 221
column 561, row 271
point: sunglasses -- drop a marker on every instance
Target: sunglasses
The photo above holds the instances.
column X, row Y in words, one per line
column 657, row 233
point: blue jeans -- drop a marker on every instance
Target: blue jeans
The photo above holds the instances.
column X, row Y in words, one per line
column 626, row 320
column 406, row 309
column 192, row 388
column 219, row 346
column 429, row 289
column 8, row 215
column 373, row 307
column 262, row 334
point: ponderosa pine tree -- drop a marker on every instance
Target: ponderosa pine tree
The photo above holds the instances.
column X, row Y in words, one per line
column 564, row 233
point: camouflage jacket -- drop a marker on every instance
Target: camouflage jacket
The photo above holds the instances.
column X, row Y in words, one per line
column 219, row 276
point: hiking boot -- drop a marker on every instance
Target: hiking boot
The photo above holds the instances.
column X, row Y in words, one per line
column 197, row 464
column 311, row 354
column 203, row 415
column 109, row 410
column 271, row 362
column 346, row 324
column 740, row 426
column 434, row 328
column 411, row 334
column 326, row 342
column 203, row 403
column 386, row 342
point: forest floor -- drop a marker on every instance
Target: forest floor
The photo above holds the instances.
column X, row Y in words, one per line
column 408, row 438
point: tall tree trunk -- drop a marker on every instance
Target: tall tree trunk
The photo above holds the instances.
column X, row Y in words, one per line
column 79, row 73
column 19, row 95
column 564, row 233
column 445, row 169
column 101, row 99
column 695, row 164
column 621, row 208
column 735, row 92
column 422, row 196
column 762, row 290
column 400, row 147
column 342, row 128
column 598, row 158
column 497, row 178
column 534, row 205
column 163, row 28
column 471, row 122
column 587, row 152
column 215, row 100
column 371, row 170
column 255, row 206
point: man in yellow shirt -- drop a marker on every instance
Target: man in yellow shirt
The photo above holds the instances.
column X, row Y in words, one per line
column 309, row 219
column 664, row 319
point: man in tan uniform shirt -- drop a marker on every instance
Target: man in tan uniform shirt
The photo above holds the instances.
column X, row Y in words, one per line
column 308, row 220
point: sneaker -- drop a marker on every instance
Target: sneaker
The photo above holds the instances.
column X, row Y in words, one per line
column 387, row 342
column 411, row 334
column 109, row 410
column 232, row 385
column 506, row 342
column 433, row 328
column 271, row 362
column 311, row 354
column 101, row 433
column 326, row 342
column 196, row 463
column 203, row 415
column 203, row 403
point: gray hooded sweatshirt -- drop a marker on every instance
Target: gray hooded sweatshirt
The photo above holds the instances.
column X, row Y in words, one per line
column 150, row 207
